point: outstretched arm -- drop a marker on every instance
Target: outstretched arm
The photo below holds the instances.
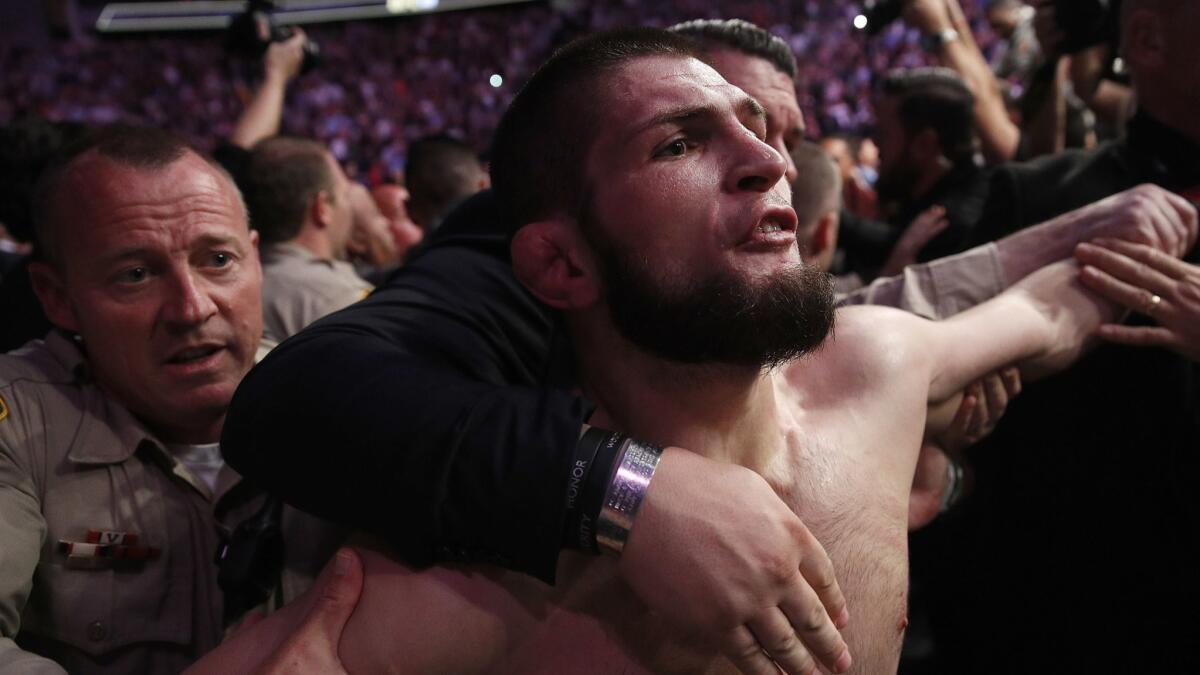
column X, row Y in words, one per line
column 1043, row 324
column 264, row 111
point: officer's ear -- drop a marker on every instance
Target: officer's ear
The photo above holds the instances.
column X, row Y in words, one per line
column 320, row 211
column 552, row 259
column 51, row 290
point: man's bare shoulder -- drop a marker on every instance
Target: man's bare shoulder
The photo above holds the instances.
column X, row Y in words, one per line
column 868, row 342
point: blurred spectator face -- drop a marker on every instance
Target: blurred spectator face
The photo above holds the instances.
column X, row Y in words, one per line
column 1004, row 19
column 158, row 272
column 341, row 216
column 371, row 240
column 897, row 168
column 391, row 202
column 839, row 151
column 868, row 154
column 774, row 90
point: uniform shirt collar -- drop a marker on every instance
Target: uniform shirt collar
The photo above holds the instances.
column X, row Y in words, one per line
column 108, row 433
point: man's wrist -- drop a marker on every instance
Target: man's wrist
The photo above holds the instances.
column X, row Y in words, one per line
column 609, row 476
column 591, row 472
column 635, row 468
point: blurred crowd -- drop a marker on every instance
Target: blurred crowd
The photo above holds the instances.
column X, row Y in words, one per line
column 387, row 81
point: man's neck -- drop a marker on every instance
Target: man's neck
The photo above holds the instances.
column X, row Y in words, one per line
column 723, row 412
column 315, row 241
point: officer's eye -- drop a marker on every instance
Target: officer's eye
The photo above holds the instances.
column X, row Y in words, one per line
column 221, row 259
column 134, row 275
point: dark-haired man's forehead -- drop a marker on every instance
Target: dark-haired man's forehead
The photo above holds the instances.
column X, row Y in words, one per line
column 654, row 97
column 760, row 78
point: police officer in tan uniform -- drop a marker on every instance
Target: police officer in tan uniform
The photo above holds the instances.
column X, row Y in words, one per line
column 301, row 205
column 113, row 493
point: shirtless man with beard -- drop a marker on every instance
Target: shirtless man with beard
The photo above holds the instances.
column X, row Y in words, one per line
column 667, row 241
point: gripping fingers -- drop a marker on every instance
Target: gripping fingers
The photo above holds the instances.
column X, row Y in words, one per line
column 1115, row 289
column 997, row 398
column 817, row 570
column 811, row 625
column 778, row 639
column 1012, row 381
column 743, row 650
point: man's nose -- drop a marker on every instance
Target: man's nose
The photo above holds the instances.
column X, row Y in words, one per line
column 758, row 166
column 190, row 302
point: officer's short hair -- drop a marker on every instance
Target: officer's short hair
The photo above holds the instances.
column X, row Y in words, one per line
column 140, row 147
column 439, row 171
column 938, row 99
column 543, row 139
column 817, row 189
column 282, row 179
column 741, row 36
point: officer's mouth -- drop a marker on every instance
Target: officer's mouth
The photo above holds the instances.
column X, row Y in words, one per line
column 196, row 356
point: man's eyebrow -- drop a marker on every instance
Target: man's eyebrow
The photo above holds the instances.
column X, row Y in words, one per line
column 751, row 107
column 680, row 115
column 692, row 113
column 144, row 250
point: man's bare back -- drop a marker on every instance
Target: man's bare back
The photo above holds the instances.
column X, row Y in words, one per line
column 852, row 419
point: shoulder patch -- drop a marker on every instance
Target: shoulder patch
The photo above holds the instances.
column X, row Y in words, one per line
column 3, row 409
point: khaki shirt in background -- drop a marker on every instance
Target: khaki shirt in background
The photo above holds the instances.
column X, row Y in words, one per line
column 73, row 460
column 299, row 288
column 940, row 288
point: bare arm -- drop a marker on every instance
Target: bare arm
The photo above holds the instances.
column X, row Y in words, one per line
column 1145, row 215
column 1043, row 323
column 998, row 134
column 264, row 111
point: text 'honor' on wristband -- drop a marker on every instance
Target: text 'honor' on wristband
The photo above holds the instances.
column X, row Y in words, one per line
column 595, row 457
column 635, row 467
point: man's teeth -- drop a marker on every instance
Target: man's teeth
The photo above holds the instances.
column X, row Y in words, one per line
column 769, row 227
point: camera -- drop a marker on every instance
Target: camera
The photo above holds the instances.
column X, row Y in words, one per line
column 251, row 32
column 879, row 14
column 1085, row 23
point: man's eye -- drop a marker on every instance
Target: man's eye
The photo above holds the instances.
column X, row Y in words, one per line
column 220, row 259
column 677, row 148
column 134, row 275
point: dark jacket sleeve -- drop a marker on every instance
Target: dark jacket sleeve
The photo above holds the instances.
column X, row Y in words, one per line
column 435, row 413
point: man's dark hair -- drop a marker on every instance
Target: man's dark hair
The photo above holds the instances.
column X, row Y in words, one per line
column 139, row 147
column 539, row 151
column 440, row 172
column 741, row 36
column 282, row 179
column 938, row 99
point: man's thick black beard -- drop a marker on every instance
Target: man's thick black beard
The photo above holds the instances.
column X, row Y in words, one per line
column 720, row 318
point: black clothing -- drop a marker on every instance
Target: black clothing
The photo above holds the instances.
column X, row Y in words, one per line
column 962, row 192
column 21, row 315
column 1079, row 550
column 867, row 244
column 434, row 413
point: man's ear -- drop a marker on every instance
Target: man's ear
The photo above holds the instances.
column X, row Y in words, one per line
column 553, row 261
column 321, row 210
column 826, row 233
column 51, row 291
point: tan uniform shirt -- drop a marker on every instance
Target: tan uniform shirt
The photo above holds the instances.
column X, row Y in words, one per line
column 299, row 288
column 940, row 288
column 74, row 462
